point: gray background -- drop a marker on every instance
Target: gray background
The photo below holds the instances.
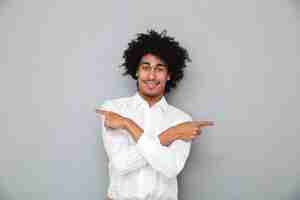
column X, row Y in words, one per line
column 58, row 60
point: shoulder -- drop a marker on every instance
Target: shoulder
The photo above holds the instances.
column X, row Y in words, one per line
column 178, row 114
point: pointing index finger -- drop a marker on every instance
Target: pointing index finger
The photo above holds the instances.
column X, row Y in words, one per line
column 101, row 112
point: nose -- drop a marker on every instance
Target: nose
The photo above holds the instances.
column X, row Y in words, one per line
column 151, row 74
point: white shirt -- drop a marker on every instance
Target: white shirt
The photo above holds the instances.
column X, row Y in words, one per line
column 144, row 170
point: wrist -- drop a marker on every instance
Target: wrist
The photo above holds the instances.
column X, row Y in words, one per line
column 176, row 134
column 126, row 123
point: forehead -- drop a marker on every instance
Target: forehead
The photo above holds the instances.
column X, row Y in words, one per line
column 150, row 58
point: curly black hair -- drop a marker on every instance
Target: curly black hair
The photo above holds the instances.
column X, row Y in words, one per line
column 160, row 45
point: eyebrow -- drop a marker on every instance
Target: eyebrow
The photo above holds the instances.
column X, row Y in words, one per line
column 147, row 63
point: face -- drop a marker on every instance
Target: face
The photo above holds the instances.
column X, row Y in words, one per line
column 152, row 76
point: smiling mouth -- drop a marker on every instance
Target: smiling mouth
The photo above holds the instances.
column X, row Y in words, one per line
column 151, row 84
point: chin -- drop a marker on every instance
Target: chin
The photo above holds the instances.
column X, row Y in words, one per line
column 150, row 94
column 153, row 93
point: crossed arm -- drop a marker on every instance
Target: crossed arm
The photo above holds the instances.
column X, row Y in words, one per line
column 184, row 131
column 166, row 153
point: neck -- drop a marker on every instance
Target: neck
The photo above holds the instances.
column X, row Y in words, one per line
column 151, row 100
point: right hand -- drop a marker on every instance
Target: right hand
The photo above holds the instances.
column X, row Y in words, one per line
column 189, row 130
column 112, row 119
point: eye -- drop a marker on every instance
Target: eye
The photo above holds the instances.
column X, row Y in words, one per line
column 145, row 67
column 160, row 69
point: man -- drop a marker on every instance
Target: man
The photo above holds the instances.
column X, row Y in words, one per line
column 146, row 139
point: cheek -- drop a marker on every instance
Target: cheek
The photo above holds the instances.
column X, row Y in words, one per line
column 142, row 76
column 163, row 79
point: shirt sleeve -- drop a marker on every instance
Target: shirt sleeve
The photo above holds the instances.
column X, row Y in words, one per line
column 123, row 156
column 167, row 160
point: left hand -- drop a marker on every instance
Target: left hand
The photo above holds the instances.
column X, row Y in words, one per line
column 112, row 119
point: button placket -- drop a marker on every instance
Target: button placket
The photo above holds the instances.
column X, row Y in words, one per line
column 147, row 119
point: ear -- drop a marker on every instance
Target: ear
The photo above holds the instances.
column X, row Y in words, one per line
column 169, row 77
column 137, row 73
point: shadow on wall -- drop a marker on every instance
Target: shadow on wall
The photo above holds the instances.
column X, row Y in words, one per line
column 295, row 193
column 3, row 5
column 295, row 4
column 295, row 196
column 4, row 194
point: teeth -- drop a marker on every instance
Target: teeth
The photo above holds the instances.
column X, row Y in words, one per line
column 152, row 84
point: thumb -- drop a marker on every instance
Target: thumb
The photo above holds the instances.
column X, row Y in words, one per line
column 205, row 123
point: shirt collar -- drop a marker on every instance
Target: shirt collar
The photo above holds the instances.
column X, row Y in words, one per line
column 161, row 104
